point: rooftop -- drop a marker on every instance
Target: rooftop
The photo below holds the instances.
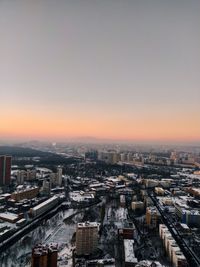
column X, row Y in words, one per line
column 129, row 251
column 45, row 203
column 88, row 224
column 8, row 216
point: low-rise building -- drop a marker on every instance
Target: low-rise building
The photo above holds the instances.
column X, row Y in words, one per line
column 150, row 183
column 44, row 206
column 9, row 217
column 187, row 215
column 128, row 231
column 194, row 191
column 81, row 196
column 167, row 201
column 159, row 191
column 137, row 205
column 129, row 254
column 25, row 193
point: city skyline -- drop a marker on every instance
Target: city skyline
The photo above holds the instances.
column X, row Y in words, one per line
column 117, row 70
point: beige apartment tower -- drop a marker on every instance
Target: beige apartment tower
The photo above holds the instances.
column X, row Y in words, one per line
column 86, row 238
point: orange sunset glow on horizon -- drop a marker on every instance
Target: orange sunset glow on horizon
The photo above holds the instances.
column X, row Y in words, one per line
column 56, row 127
column 118, row 71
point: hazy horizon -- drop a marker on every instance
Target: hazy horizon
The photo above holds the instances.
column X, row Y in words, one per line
column 98, row 141
column 116, row 70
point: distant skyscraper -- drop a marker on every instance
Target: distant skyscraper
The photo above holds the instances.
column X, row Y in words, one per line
column 5, row 170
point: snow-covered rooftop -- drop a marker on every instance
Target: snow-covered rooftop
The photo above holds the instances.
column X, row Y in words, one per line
column 129, row 251
column 45, row 203
column 88, row 224
column 8, row 216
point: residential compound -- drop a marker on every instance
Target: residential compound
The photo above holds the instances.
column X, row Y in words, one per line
column 175, row 158
column 25, row 175
column 109, row 210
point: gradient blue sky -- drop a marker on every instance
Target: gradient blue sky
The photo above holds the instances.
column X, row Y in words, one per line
column 108, row 69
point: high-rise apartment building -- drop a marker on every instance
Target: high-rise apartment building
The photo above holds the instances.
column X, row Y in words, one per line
column 86, row 237
column 44, row 255
column 56, row 178
column 5, row 170
column 152, row 217
column 46, row 187
column 21, row 175
column 109, row 157
column 59, row 176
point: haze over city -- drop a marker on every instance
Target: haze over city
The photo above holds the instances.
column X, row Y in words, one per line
column 117, row 70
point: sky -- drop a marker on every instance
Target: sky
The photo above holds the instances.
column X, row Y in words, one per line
column 109, row 69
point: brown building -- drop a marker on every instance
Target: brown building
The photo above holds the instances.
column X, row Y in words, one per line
column 44, row 255
column 9, row 217
column 193, row 191
column 127, row 233
column 5, row 170
column 86, row 238
column 27, row 193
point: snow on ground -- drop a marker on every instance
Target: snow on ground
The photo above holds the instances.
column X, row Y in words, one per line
column 65, row 256
column 53, row 230
column 121, row 214
column 147, row 263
